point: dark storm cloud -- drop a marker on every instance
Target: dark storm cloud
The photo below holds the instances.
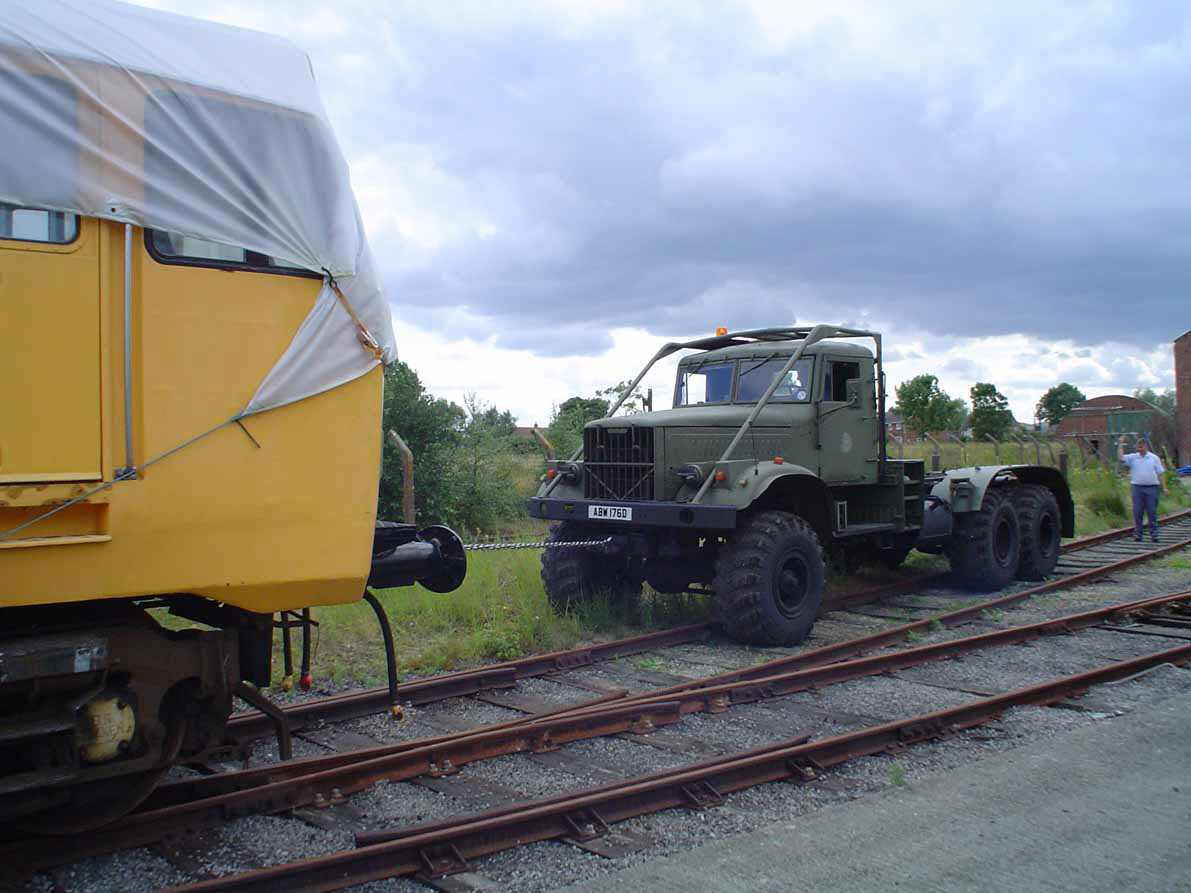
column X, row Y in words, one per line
column 975, row 172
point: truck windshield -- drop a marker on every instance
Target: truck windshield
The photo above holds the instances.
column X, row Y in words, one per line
column 795, row 387
column 710, row 383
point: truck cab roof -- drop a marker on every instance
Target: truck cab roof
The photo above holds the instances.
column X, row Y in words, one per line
column 758, row 349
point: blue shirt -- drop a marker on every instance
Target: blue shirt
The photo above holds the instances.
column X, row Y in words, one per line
column 1144, row 471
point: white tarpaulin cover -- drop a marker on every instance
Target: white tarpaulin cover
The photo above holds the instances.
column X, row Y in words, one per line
column 213, row 132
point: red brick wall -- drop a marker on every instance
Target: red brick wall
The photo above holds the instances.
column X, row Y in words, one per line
column 1182, row 383
column 1088, row 421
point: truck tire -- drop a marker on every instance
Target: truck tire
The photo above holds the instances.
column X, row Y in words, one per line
column 769, row 580
column 985, row 545
column 1038, row 518
column 573, row 576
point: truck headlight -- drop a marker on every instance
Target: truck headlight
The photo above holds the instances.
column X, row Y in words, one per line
column 692, row 475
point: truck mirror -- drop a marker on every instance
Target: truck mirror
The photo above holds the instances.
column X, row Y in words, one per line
column 853, row 387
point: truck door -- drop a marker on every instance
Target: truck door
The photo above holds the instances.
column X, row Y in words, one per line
column 49, row 347
column 847, row 420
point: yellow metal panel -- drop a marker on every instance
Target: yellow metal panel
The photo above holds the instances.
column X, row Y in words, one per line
column 284, row 525
column 49, row 360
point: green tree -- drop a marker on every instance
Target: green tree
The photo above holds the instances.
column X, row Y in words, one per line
column 925, row 407
column 479, row 482
column 1164, row 401
column 432, row 429
column 990, row 411
column 565, row 430
column 634, row 402
column 952, row 414
column 1057, row 402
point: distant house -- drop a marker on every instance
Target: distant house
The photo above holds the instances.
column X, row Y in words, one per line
column 1099, row 422
column 895, row 425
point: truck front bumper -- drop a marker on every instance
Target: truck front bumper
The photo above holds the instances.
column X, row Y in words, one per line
column 640, row 514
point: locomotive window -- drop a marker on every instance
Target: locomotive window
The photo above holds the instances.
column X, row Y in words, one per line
column 179, row 249
column 250, row 138
column 705, row 384
column 37, row 225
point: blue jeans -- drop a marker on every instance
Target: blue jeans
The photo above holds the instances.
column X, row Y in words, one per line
column 1145, row 502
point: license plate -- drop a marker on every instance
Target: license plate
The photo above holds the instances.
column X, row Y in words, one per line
column 610, row 512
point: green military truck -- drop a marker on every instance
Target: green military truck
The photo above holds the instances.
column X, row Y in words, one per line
column 772, row 461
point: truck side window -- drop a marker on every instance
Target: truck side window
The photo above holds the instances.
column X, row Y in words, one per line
column 37, row 225
column 835, row 380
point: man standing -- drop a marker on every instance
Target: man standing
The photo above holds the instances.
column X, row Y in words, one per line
column 1145, row 474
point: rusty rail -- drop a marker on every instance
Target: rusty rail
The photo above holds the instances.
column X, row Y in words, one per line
column 252, row 725
column 327, row 779
column 445, row 847
column 249, row 726
column 897, row 634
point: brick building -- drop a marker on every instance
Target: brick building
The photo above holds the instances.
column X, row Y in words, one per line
column 1100, row 421
column 1182, row 387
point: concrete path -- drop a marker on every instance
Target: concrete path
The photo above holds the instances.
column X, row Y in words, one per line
column 1106, row 807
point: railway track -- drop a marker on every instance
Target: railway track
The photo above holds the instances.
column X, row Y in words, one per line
column 1103, row 552
column 329, row 779
column 442, row 848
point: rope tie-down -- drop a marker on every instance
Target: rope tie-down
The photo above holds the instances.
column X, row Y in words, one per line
column 362, row 332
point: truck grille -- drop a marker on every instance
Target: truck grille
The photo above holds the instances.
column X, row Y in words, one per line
column 618, row 463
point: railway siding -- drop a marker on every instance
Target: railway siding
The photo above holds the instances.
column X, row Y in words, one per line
column 825, row 711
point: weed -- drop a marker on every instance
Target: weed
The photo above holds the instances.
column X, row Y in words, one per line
column 912, row 635
column 649, row 663
column 935, row 625
column 993, row 614
column 897, row 775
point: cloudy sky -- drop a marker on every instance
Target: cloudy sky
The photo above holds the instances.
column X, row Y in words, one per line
column 554, row 188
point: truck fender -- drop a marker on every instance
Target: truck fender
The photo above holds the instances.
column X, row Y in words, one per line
column 964, row 489
column 793, row 488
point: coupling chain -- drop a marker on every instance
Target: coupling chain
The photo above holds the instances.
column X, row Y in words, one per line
column 576, row 544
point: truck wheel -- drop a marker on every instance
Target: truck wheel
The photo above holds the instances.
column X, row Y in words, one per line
column 572, row 576
column 769, row 580
column 985, row 545
column 1038, row 517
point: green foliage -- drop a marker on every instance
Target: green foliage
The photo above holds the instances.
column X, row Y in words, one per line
column 465, row 465
column 990, row 412
column 1058, row 401
column 1103, row 494
column 633, row 403
column 897, row 775
column 1164, row 401
column 565, row 430
column 925, row 407
column 431, row 428
column 479, row 481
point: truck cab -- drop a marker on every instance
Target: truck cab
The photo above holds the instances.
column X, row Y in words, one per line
column 775, row 435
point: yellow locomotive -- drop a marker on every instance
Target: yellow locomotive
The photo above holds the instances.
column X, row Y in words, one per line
column 191, row 336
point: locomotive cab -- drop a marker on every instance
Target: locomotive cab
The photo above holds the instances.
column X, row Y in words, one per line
column 190, row 392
